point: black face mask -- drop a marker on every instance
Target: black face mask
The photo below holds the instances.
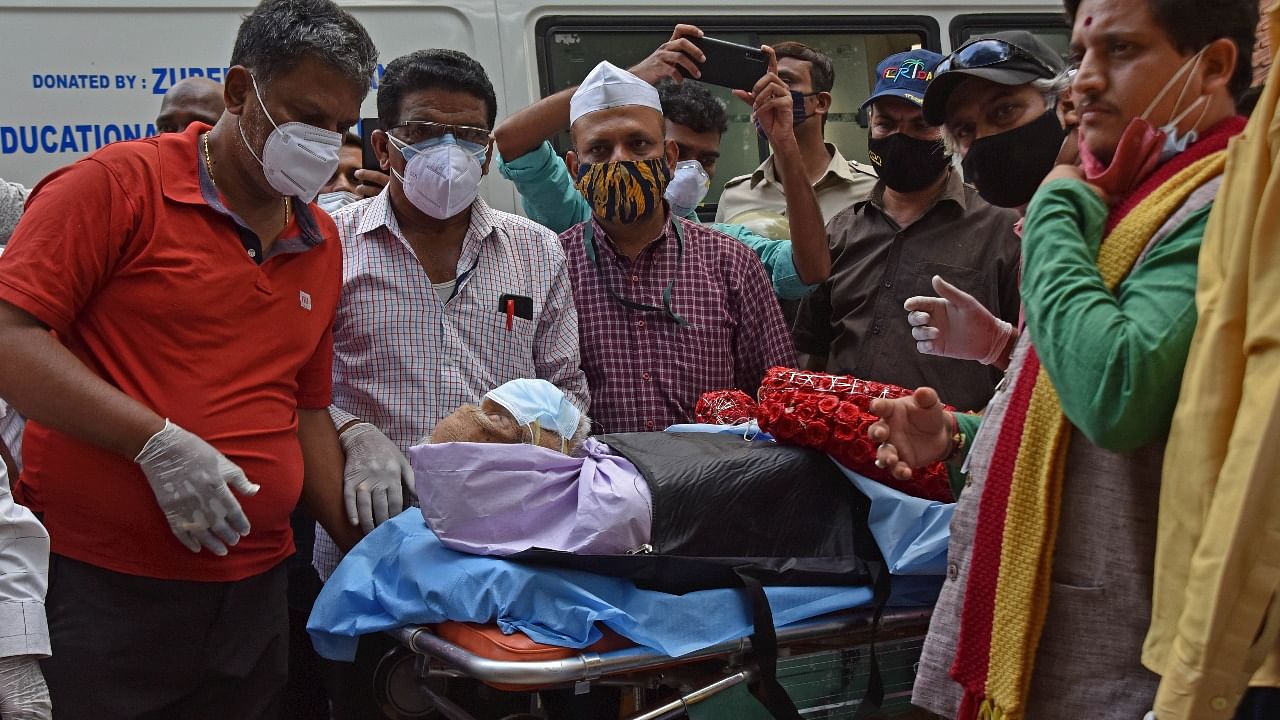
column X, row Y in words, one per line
column 1007, row 168
column 907, row 164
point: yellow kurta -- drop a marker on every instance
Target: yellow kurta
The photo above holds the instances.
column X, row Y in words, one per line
column 1216, row 615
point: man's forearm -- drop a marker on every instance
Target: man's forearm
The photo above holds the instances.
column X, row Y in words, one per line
column 526, row 129
column 48, row 384
column 323, row 463
column 809, row 250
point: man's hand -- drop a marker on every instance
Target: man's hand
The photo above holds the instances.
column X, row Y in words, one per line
column 956, row 325
column 670, row 56
column 913, row 431
column 23, row 694
column 377, row 479
column 371, row 182
column 192, row 483
column 771, row 104
column 1073, row 172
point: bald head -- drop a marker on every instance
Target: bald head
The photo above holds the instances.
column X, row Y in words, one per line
column 189, row 100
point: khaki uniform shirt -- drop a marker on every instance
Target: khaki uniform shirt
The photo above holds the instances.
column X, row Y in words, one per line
column 759, row 202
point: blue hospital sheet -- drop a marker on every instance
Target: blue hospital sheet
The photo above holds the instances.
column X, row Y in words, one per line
column 401, row 574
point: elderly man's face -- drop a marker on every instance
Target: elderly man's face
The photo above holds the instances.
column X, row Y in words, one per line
column 488, row 423
column 980, row 108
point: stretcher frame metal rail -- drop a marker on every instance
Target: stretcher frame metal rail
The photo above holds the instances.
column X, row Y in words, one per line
column 633, row 666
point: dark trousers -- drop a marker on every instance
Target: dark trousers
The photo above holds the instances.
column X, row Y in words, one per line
column 144, row 649
column 1260, row 703
column 304, row 696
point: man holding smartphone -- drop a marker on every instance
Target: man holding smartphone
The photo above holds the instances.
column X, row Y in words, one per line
column 695, row 121
column 761, row 198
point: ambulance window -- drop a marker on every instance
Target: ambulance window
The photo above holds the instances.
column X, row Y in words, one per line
column 1051, row 28
column 570, row 47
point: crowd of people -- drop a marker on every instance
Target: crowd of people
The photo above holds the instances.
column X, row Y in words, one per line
column 221, row 342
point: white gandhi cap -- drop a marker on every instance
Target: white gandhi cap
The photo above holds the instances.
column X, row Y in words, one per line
column 609, row 86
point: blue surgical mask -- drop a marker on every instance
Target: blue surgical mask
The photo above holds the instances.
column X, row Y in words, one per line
column 538, row 404
column 1174, row 143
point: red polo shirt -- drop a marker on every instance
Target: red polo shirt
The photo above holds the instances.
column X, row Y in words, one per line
column 130, row 258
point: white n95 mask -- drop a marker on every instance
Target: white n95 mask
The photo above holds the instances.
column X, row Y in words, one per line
column 689, row 185
column 331, row 202
column 441, row 177
column 298, row 159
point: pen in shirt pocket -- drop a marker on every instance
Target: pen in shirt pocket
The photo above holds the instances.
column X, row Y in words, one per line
column 514, row 306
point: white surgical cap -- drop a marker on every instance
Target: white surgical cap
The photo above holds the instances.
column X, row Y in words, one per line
column 609, row 86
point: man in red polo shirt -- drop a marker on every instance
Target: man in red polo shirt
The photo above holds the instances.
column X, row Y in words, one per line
column 190, row 287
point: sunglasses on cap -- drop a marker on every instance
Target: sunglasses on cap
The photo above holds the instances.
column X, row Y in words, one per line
column 985, row 53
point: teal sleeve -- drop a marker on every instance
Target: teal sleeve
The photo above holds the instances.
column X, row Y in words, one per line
column 1116, row 359
column 546, row 191
column 776, row 257
column 969, row 424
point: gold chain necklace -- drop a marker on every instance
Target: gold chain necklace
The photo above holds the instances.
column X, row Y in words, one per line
column 208, row 164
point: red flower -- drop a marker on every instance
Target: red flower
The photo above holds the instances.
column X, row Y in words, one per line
column 770, row 412
column 787, row 427
column 843, row 432
column 816, row 434
column 828, row 404
column 847, row 411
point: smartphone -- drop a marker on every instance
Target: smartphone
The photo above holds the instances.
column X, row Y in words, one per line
column 367, row 126
column 517, row 305
column 729, row 64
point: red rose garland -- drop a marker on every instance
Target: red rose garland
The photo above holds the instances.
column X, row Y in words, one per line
column 829, row 413
column 725, row 407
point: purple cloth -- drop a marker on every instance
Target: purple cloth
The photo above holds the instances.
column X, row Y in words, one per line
column 645, row 371
column 494, row 499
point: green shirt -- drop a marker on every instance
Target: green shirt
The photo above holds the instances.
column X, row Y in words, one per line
column 549, row 197
column 1116, row 358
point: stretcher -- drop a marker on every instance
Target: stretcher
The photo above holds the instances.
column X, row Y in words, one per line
column 520, row 627
column 661, row 686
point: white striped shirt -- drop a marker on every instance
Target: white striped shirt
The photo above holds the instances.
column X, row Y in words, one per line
column 403, row 360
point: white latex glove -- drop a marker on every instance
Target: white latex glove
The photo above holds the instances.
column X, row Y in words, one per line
column 956, row 325
column 192, row 482
column 23, row 694
column 377, row 479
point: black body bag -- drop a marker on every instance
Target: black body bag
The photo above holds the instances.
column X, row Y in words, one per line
column 732, row 513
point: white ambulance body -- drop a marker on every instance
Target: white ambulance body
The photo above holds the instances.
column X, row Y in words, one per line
column 77, row 74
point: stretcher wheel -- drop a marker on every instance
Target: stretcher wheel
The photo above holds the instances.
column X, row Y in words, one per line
column 397, row 687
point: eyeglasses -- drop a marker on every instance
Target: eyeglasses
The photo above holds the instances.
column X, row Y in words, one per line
column 413, row 132
column 985, row 53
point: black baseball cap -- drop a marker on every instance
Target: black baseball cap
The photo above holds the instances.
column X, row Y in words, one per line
column 1011, row 57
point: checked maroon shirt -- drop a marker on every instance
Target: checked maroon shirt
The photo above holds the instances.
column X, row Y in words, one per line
column 644, row 370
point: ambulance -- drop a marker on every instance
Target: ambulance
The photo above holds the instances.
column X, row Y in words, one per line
column 78, row 74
